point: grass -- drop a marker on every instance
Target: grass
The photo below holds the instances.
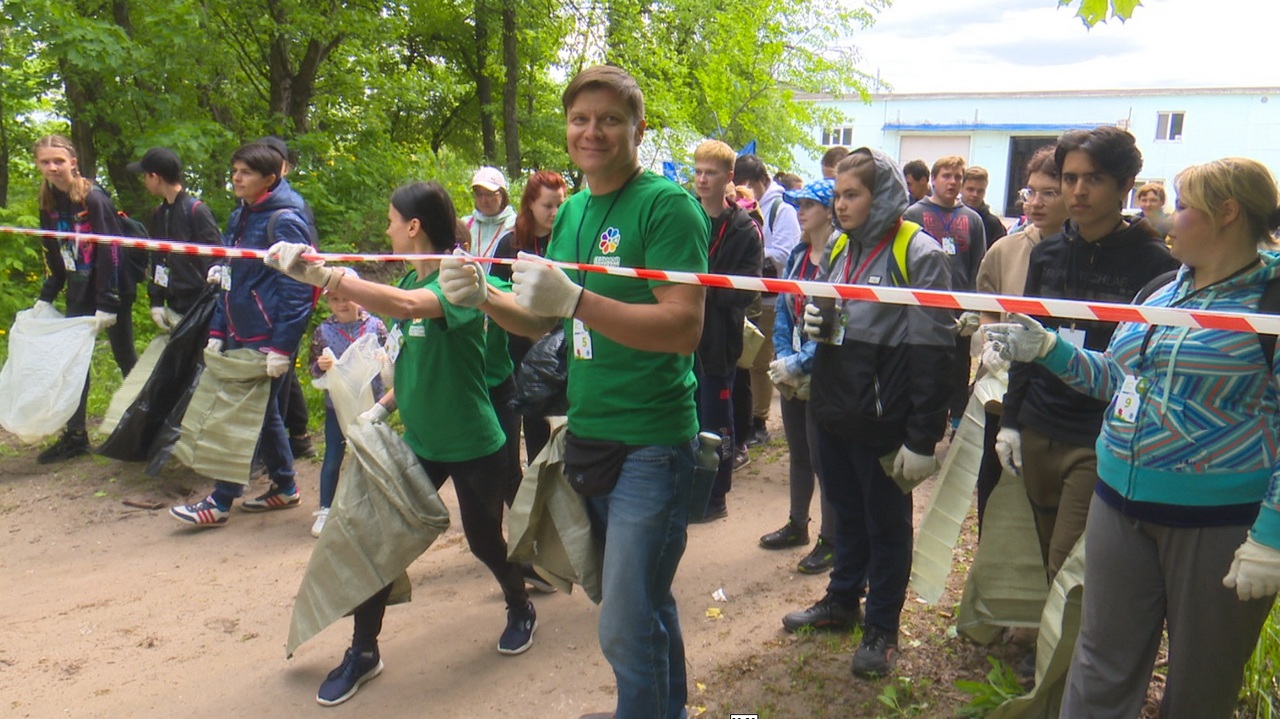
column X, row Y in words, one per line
column 1260, row 692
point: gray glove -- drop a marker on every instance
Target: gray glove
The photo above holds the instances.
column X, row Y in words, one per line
column 1022, row 340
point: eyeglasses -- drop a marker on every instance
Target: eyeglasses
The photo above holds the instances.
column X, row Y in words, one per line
column 1027, row 194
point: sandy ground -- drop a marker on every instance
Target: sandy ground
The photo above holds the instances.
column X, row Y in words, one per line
column 113, row 611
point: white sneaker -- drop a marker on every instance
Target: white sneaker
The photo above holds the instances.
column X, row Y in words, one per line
column 320, row 515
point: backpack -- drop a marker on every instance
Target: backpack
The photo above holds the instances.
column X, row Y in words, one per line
column 1269, row 304
column 901, row 241
column 135, row 259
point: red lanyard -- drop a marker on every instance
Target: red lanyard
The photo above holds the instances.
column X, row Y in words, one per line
column 720, row 237
column 798, row 301
column 888, row 237
column 352, row 340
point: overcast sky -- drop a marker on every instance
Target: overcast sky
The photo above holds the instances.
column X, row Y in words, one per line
column 1011, row 45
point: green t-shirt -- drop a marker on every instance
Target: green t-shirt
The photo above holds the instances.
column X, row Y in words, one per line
column 440, row 387
column 497, row 360
column 624, row 394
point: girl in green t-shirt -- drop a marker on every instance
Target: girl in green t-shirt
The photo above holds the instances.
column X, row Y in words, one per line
column 449, row 422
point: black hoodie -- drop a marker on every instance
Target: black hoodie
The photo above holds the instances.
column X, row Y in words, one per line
column 735, row 249
column 1065, row 266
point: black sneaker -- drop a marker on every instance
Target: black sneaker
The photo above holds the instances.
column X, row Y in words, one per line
column 826, row 614
column 877, row 653
column 518, row 636
column 302, row 446
column 1027, row 667
column 714, row 512
column 759, row 435
column 343, row 682
column 819, row 559
column 70, row 445
column 791, row 535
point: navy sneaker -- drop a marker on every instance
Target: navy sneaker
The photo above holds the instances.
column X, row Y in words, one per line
column 273, row 499
column 343, row 682
column 518, row 636
column 205, row 513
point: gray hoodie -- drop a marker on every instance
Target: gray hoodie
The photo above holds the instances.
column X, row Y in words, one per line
column 887, row 384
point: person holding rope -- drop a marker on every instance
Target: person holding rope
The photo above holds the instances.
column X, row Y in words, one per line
column 90, row 273
column 443, row 398
column 1183, row 526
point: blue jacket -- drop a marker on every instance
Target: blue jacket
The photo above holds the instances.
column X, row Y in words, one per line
column 264, row 309
column 1202, row 448
column 786, row 321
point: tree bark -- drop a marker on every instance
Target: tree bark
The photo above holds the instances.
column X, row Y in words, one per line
column 4, row 156
column 510, row 89
column 484, row 86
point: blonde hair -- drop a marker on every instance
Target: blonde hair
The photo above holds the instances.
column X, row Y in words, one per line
column 80, row 186
column 1207, row 186
column 715, row 151
column 950, row 162
column 1153, row 187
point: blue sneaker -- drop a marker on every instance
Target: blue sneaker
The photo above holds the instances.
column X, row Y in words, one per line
column 273, row 498
column 343, row 682
column 205, row 513
column 518, row 636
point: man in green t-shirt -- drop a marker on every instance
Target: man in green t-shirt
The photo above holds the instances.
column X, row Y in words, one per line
column 631, row 346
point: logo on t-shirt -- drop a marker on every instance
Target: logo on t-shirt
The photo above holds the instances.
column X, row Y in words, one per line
column 609, row 240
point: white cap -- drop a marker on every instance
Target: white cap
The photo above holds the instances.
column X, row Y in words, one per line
column 490, row 178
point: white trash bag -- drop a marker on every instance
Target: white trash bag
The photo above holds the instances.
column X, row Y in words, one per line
column 41, row 382
column 350, row 379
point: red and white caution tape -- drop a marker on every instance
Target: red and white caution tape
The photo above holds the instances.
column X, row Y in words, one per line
column 1035, row 306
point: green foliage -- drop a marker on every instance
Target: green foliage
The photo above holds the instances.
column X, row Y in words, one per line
column 1260, row 693
column 1092, row 12
column 1001, row 685
column 899, row 695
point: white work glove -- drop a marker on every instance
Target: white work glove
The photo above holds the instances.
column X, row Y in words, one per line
column 376, row 413
column 1009, row 449
column 287, row 257
column 543, row 289
column 913, row 467
column 214, row 345
column 43, row 307
column 967, row 323
column 1255, row 571
column 780, row 372
column 161, row 318
column 278, row 364
column 104, row 319
column 462, row 280
column 812, row 320
column 994, row 363
column 214, row 275
column 1022, row 340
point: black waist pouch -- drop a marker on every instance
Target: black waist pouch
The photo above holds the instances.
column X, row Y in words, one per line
column 592, row 466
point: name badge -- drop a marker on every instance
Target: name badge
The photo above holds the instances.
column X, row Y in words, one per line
column 161, row 276
column 226, row 278
column 1073, row 336
column 797, row 338
column 581, row 341
column 1128, row 399
column 68, row 258
column 417, row 329
column 395, row 340
column 949, row 245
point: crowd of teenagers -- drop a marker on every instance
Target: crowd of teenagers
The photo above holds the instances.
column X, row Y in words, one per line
column 1157, row 445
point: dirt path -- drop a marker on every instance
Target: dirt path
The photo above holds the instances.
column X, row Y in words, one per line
column 112, row 611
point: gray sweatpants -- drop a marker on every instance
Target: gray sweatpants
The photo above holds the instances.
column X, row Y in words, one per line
column 1138, row 576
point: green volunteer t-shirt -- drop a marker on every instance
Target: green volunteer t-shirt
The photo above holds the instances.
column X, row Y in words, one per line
column 624, row 394
column 440, row 386
column 497, row 360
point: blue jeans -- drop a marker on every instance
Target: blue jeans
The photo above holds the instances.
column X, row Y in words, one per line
column 643, row 521
column 335, row 448
column 873, row 529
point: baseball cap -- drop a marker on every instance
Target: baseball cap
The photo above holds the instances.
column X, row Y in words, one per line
column 160, row 160
column 490, row 178
column 820, row 191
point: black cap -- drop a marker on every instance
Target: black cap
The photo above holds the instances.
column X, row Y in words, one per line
column 162, row 161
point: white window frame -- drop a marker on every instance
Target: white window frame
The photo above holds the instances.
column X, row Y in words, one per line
column 841, row 136
column 1164, row 125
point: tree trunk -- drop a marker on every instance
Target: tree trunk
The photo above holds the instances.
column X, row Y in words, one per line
column 484, row 86
column 510, row 90
column 4, row 156
column 79, row 99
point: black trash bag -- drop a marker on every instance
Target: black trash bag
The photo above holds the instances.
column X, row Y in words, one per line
column 542, row 377
column 152, row 413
